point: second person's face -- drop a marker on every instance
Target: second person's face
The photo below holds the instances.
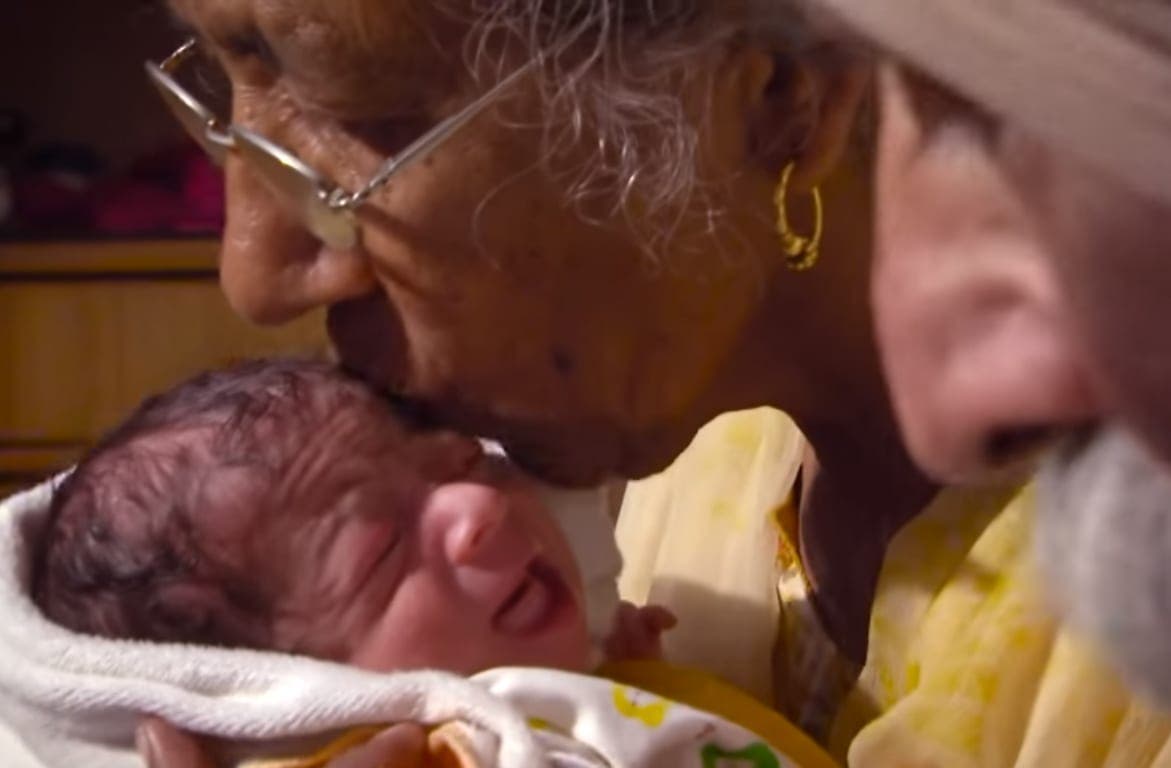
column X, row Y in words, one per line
column 1020, row 294
column 1022, row 304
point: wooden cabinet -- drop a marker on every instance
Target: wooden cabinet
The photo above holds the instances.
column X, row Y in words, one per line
column 89, row 329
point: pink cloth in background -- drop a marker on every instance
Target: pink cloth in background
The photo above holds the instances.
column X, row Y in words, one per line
column 179, row 190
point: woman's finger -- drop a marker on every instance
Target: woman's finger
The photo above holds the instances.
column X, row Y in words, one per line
column 162, row 745
column 399, row 746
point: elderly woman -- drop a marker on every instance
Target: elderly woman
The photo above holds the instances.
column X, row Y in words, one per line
column 592, row 263
column 606, row 223
column 616, row 221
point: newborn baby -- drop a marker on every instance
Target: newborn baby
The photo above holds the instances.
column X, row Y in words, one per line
column 284, row 506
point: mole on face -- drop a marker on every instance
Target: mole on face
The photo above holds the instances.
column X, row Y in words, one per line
column 562, row 362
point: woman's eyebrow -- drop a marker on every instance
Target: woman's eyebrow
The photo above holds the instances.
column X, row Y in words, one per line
column 177, row 17
column 216, row 27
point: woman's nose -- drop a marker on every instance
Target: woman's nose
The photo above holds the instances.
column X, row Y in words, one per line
column 271, row 268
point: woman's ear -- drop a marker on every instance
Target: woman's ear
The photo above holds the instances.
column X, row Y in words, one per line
column 805, row 112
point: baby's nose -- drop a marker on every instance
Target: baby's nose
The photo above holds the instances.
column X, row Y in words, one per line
column 479, row 530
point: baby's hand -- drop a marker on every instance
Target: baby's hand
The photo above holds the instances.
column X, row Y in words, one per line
column 637, row 632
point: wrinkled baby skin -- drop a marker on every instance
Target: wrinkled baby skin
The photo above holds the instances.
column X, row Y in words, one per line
column 390, row 549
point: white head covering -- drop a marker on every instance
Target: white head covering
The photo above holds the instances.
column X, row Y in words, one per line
column 1093, row 76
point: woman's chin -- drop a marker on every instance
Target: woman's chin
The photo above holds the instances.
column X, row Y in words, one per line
column 588, row 458
column 566, row 449
column 572, row 468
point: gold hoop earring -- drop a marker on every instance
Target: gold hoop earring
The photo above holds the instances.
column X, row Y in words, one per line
column 801, row 252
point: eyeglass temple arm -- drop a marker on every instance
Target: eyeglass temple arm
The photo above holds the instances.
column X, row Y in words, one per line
column 181, row 54
column 423, row 146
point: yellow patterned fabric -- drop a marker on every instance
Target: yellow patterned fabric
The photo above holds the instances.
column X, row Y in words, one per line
column 702, row 539
column 714, row 538
column 638, row 713
column 705, row 692
column 965, row 667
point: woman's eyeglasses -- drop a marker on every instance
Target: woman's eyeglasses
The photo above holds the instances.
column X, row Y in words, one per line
column 324, row 208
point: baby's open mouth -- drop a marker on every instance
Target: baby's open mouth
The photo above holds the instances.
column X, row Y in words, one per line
column 536, row 602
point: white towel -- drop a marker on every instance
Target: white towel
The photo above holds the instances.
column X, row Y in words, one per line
column 72, row 701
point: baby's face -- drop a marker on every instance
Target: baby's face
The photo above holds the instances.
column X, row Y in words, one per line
column 392, row 549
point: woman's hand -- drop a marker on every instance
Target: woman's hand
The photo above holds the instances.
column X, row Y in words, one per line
column 162, row 745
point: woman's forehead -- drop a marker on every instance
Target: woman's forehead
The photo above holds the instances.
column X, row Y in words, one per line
column 358, row 19
column 350, row 56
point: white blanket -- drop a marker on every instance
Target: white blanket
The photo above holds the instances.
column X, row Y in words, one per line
column 71, row 701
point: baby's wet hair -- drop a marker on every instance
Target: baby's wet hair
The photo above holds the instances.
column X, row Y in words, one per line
column 122, row 555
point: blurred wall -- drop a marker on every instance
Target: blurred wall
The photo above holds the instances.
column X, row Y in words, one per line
column 74, row 67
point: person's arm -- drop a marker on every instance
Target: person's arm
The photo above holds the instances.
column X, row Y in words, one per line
column 162, row 745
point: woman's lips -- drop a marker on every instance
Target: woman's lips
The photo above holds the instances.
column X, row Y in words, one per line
column 369, row 339
column 535, row 605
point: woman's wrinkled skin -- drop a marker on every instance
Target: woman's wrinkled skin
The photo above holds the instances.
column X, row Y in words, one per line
column 482, row 294
column 474, row 250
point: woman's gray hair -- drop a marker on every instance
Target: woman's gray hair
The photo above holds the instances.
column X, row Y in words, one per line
column 614, row 75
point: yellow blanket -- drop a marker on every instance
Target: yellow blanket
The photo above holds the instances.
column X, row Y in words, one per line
column 965, row 667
